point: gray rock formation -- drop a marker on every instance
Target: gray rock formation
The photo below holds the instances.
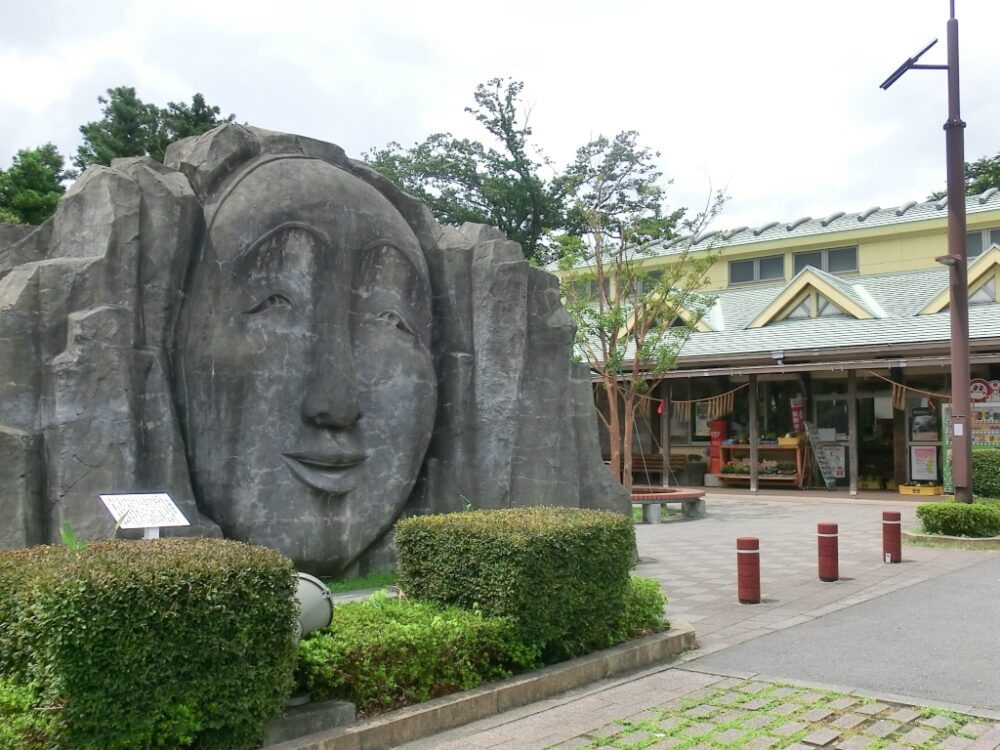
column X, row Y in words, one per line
column 288, row 345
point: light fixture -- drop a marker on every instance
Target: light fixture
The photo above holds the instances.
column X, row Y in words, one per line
column 947, row 260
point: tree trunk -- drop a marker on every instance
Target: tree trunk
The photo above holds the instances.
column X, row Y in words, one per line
column 627, row 432
column 614, row 426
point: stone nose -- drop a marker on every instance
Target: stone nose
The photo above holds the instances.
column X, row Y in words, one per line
column 331, row 394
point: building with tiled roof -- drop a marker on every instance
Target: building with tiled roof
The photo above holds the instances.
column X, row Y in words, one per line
column 840, row 321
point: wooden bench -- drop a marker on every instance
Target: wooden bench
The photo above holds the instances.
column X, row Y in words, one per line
column 651, row 498
column 652, row 463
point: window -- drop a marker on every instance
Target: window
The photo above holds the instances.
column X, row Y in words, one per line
column 757, row 269
column 647, row 282
column 836, row 260
column 981, row 239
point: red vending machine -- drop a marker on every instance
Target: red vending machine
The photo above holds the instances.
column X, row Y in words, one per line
column 719, row 432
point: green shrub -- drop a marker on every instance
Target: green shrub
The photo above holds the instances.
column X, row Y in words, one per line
column 23, row 722
column 644, row 610
column 168, row 643
column 382, row 654
column 960, row 519
column 560, row 573
column 986, row 471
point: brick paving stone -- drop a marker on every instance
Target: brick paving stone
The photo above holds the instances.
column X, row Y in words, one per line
column 871, row 709
column 821, row 737
column 790, row 728
column 904, row 715
column 799, row 746
column 756, row 687
column 841, row 703
column 897, row 746
column 610, row 730
column 727, row 717
column 665, row 744
column 728, row 699
column 756, row 704
column 849, row 721
column 974, row 729
column 758, row 721
column 670, row 722
column 786, row 708
column 730, row 735
column 784, row 692
column 705, row 709
column 697, row 730
column 633, row 737
column 856, row 743
column 574, row 744
column 761, row 743
column 955, row 743
column 808, row 697
column 648, row 715
column 918, row 736
column 882, row 728
column 816, row 715
column 938, row 722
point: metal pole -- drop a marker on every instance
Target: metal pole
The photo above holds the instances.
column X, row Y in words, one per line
column 754, row 436
column 959, row 304
column 852, row 432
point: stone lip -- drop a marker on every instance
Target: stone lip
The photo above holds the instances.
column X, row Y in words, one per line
column 414, row 722
column 958, row 542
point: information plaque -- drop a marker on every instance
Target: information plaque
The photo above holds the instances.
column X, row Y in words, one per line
column 148, row 511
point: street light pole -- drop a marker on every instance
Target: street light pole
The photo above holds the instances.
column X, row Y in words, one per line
column 961, row 440
column 956, row 260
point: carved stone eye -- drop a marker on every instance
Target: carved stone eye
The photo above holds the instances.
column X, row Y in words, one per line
column 270, row 302
column 393, row 318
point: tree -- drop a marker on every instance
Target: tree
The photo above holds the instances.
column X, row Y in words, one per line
column 982, row 174
column 131, row 127
column 30, row 189
column 463, row 180
column 631, row 321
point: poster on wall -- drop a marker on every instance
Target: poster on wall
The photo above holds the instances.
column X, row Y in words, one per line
column 923, row 463
column 836, row 459
column 923, row 424
column 701, row 420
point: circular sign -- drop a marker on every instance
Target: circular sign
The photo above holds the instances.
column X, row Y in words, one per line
column 979, row 389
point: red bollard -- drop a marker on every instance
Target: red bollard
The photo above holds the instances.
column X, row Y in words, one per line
column 892, row 546
column 829, row 565
column 748, row 569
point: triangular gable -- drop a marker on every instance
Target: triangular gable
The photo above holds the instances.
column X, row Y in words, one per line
column 810, row 290
column 982, row 271
column 689, row 318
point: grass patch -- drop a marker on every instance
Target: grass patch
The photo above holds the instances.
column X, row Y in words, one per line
column 370, row 581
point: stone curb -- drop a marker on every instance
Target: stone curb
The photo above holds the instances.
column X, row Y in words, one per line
column 957, row 542
column 415, row 722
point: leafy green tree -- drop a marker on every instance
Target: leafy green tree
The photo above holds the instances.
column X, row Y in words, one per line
column 631, row 320
column 982, row 174
column 30, row 189
column 131, row 127
column 463, row 180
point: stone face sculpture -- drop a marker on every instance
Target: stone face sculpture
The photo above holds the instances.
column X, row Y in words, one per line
column 287, row 344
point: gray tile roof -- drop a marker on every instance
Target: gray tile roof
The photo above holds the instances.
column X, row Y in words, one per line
column 896, row 297
column 836, row 222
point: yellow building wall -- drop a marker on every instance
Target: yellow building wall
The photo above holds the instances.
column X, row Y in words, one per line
column 888, row 249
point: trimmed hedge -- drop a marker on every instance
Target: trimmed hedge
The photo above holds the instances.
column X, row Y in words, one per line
column 168, row 643
column 960, row 519
column 382, row 654
column 986, row 471
column 561, row 574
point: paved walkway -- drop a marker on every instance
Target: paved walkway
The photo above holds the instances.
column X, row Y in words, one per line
column 695, row 563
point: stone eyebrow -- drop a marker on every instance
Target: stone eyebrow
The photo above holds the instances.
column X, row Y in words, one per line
column 255, row 245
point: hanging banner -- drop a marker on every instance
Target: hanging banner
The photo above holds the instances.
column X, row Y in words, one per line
column 798, row 413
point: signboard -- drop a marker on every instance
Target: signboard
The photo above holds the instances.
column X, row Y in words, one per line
column 144, row 511
column 923, row 463
column 826, row 469
column 836, row 460
column 923, row 424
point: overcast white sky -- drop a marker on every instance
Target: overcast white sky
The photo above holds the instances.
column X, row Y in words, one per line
column 777, row 100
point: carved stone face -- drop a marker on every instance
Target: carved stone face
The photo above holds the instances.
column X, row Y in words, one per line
column 305, row 375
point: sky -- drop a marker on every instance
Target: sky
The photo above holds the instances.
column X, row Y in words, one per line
column 777, row 102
